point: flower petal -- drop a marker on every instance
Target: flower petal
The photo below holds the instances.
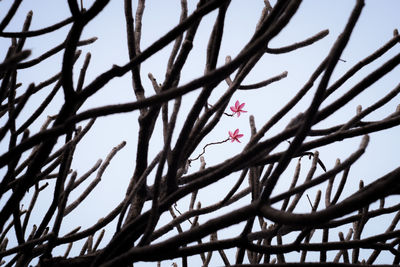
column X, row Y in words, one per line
column 233, row 109
column 237, row 103
column 241, row 105
column 236, row 132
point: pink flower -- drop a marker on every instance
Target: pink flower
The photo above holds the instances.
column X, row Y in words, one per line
column 235, row 135
column 238, row 108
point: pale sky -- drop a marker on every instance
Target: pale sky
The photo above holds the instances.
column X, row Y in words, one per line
column 374, row 29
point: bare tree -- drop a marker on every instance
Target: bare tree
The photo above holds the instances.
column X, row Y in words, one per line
column 42, row 160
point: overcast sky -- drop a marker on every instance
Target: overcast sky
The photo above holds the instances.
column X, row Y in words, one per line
column 375, row 28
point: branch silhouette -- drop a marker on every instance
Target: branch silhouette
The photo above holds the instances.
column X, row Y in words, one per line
column 317, row 216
